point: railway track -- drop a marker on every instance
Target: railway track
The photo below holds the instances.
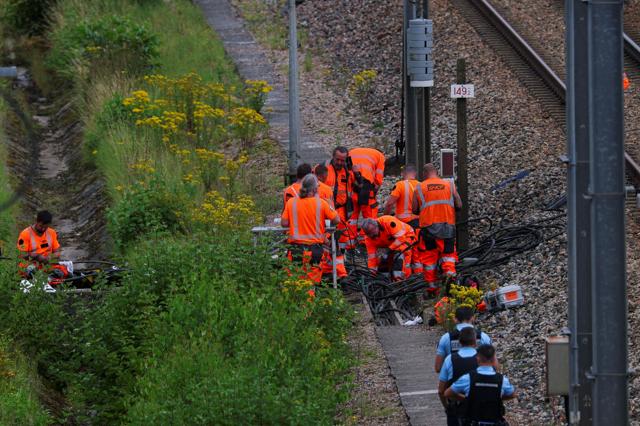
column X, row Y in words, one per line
column 530, row 68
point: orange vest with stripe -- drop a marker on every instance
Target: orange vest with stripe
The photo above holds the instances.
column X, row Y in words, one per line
column 29, row 242
column 436, row 202
column 306, row 218
column 325, row 192
column 369, row 162
column 344, row 181
column 291, row 191
column 404, row 192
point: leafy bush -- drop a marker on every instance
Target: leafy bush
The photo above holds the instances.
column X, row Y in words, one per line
column 145, row 207
column 108, row 44
column 26, row 16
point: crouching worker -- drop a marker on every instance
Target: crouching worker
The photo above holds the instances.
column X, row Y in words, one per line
column 305, row 217
column 38, row 245
column 483, row 391
column 388, row 237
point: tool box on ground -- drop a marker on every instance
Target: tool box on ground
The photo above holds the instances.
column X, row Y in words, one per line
column 509, row 296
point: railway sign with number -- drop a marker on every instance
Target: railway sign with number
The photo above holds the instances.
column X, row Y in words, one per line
column 462, row 91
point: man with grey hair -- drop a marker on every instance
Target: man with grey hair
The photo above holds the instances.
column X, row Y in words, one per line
column 305, row 217
column 387, row 237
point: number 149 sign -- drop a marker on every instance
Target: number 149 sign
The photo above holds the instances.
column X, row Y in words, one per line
column 462, row 91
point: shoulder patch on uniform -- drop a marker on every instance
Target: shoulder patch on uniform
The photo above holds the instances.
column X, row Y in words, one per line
column 393, row 224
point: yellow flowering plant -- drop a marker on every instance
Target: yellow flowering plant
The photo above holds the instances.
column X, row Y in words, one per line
column 256, row 92
column 361, row 86
column 459, row 296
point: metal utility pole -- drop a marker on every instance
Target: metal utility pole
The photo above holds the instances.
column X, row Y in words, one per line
column 463, row 181
column 606, row 172
column 426, row 108
column 410, row 97
column 579, row 215
column 294, row 108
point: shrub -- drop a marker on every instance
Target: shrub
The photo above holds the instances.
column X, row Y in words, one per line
column 361, row 87
column 28, row 17
column 104, row 45
column 145, row 207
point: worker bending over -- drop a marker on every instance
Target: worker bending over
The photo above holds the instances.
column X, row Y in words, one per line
column 401, row 197
column 483, row 391
column 367, row 165
column 340, row 180
column 293, row 190
column 305, row 217
column 389, row 239
column 38, row 245
column 436, row 201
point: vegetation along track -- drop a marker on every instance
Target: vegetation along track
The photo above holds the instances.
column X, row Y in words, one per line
column 541, row 80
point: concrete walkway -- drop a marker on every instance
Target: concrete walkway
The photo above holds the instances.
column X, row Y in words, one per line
column 252, row 64
column 411, row 352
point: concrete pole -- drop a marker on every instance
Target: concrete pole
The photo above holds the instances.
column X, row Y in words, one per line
column 608, row 266
column 411, row 149
column 294, row 109
column 463, row 181
column 579, row 215
column 426, row 103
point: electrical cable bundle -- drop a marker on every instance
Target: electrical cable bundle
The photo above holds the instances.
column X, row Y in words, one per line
column 387, row 297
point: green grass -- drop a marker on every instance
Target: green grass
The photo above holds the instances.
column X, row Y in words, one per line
column 7, row 215
column 18, row 397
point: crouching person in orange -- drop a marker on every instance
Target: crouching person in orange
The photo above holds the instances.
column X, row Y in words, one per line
column 436, row 201
column 367, row 165
column 305, row 217
column 387, row 232
column 38, row 245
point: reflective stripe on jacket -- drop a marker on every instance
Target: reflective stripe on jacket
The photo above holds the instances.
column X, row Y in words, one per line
column 369, row 162
column 436, row 202
column 306, row 218
column 344, row 181
column 404, row 192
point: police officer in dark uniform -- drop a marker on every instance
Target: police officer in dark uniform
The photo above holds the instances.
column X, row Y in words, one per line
column 449, row 342
column 483, row 390
column 456, row 365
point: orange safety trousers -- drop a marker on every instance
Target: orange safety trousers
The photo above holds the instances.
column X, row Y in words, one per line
column 312, row 271
column 431, row 257
column 374, row 253
column 370, row 211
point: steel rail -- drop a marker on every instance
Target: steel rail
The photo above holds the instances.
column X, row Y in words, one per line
column 540, row 67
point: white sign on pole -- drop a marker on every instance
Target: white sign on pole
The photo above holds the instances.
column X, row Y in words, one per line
column 462, row 91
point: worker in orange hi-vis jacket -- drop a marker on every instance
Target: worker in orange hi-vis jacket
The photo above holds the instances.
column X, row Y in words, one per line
column 387, row 237
column 305, row 217
column 325, row 192
column 340, row 179
column 38, row 245
column 436, row 201
column 401, row 197
column 367, row 165
column 293, row 190
column 626, row 83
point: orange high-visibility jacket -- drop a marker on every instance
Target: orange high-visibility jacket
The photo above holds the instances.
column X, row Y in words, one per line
column 404, row 191
column 369, row 162
column 291, row 191
column 325, row 192
column 394, row 234
column 625, row 81
column 340, row 182
column 306, row 218
column 29, row 242
column 436, row 200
